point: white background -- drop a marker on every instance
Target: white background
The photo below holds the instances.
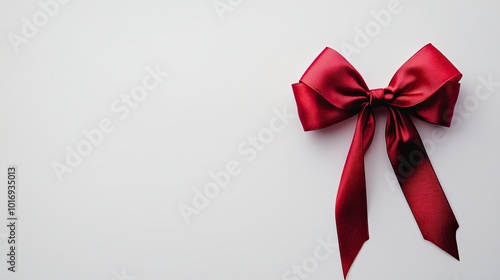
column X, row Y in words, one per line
column 116, row 215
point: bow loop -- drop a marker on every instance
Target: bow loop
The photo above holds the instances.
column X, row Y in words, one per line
column 337, row 81
column 427, row 85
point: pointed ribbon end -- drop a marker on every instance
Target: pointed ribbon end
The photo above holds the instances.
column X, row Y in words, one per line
column 348, row 255
column 447, row 242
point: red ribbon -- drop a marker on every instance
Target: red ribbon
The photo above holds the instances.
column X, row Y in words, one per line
column 426, row 86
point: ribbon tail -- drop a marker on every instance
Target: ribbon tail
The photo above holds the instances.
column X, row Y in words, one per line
column 351, row 207
column 419, row 183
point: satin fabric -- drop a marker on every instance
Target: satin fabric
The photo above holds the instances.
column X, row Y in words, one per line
column 426, row 86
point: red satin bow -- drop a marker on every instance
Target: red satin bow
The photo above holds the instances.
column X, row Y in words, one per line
column 426, row 86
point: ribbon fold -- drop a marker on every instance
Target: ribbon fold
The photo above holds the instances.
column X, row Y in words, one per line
column 426, row 86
